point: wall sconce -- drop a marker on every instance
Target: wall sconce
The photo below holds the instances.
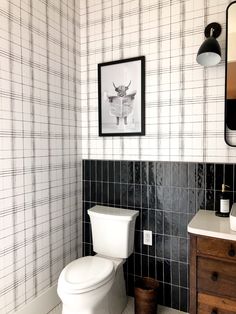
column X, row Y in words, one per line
column 210, row 53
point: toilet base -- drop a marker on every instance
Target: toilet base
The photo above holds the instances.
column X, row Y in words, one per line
column 117, row 295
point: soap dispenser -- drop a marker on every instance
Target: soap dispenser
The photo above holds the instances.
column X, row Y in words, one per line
column 224, row 202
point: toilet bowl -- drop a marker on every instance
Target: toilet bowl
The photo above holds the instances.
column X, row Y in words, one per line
column 84, row 284
column 92, row 284
column 95, row 284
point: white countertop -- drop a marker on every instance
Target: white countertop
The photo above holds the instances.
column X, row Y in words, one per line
column 206, row 223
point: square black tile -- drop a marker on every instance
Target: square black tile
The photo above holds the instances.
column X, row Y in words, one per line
column 117, row 171
column 137, row 170
column 219, row 176
column 99, row 170
column 159, row 269
column 93, row 165
column 175, row 224
column 105, row 193
column 144, row 175
column 183, row 272
column 145, row 263
column 183, row 224
column 151, row 173
column 144, row 196
column 200, row 176
column 175, row 248
column 192, row 201
column 111, row 193
column 210, row 176
column 175, row 174
column 229, row 176
column 167, row 198
column 117, row 187
column 87, row 170
column 159, row 244
column 168, row 223
column 159, row 198
column 145, row 225
column 175, row 273
column 152, row 267
column 183, row 250
column 124, row 172
column 183, row 175
column 131, row 194
column 159, row 221
column 167, row 295
column 192, row 175
column 99, row 192
column 167, row 174
column 87, row 191
column 167, row 271
column 159, row 173
column 138, row 239
column 175, row 297
column 210, row 199
column 93, row 191
column 124, row 195
column 111, row 171
column 183, row 200
column 175, row 196
column 105, row 171
column 184, row 297
column 152, row 219
column 200, row 199
column 130, row 167
column 151, row 196
column 138, row 264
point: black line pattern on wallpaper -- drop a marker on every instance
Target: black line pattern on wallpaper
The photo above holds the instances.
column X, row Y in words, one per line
column 184, row 101
column 40, row 175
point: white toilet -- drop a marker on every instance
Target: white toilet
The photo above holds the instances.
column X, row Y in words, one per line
column 95, row 284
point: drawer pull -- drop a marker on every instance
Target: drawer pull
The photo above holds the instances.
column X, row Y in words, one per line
column 214, row 276
column 214, row 312
column 231, row 252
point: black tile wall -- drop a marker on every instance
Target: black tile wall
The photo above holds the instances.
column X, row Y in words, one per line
column 167, row 195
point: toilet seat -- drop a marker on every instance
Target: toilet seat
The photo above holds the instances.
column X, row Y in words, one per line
column 86, row 274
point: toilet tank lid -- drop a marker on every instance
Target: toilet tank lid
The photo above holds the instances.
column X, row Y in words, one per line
column 112, row 212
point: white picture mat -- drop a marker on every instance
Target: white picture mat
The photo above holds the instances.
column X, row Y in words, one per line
column 121, row 74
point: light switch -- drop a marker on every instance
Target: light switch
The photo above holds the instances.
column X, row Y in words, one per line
column 147, row 237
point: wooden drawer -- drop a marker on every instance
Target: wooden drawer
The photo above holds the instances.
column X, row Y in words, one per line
column 216, row 277
column 208, row 304
column 217, row 248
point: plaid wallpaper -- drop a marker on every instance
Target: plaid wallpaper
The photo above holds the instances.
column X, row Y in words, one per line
column 49, row 50
column 184, row 101
column 40, row 164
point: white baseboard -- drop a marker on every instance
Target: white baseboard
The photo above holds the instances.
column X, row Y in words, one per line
column 42, row 304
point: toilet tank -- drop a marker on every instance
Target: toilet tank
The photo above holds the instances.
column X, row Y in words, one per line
column 113, row 230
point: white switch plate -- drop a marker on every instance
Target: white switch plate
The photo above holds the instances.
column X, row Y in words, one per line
column 147, row 237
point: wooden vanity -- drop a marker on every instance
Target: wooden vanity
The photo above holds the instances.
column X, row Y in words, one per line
column 212, row 265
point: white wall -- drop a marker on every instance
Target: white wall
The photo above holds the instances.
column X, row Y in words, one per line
column 184, row 101
column 40, row 164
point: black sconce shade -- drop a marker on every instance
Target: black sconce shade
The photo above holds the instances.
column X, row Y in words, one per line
column 210, row 53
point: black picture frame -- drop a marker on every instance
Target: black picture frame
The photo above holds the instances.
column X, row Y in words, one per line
column 121, row 110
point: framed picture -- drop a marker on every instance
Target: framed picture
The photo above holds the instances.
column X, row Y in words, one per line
column 121, row 97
